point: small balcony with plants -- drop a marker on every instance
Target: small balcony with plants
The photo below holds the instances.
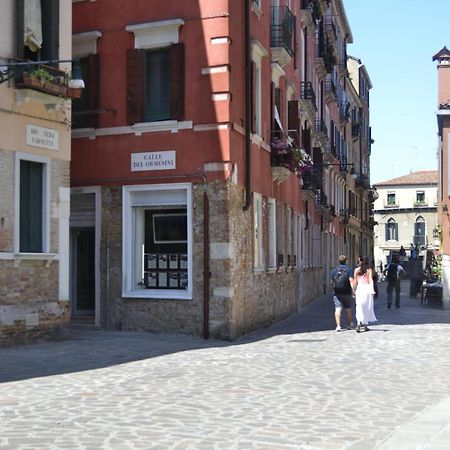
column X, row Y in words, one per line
column 307, row 98
column 310, row 12
column 287, row 158
column 46, row 79
column 281, row 34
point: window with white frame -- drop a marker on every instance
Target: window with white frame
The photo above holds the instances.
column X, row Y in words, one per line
column 272, row 232
column 391, row 198
column 258, row 260
column 157, row 241
column 32, row 210
column 258, row 52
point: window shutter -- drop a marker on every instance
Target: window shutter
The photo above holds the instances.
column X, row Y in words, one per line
column 272, row 116
column 293, row 120
column 50, row 29
column 135, row 86
column 93, row 88
column 178, row 70
column 20, row 17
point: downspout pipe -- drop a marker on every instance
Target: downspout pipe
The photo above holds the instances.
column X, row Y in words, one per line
column 248, row 104
column 205, row 265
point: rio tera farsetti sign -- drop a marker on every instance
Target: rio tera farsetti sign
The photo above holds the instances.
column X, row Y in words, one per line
column 153, row 161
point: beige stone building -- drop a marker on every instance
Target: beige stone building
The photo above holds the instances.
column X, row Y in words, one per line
column 406, row 213
column 35, row 110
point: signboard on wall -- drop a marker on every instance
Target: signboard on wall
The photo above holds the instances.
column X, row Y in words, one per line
column 153, row 161
column 42, row 137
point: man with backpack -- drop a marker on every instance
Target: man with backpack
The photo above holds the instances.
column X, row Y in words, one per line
column 341, row 279
column 394, row 271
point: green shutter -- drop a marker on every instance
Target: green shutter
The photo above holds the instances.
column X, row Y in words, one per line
column 20, row 17
column 31, row 206
column 50, row 29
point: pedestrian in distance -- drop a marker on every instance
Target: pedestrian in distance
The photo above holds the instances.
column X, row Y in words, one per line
column 341, row 280
column 401, row 254
column 364, row 293
column 393, row 272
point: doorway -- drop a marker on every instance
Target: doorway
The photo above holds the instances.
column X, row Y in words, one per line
column 84, row 256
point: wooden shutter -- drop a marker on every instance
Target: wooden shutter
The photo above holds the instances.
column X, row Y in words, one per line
column 50, row 29
column 293, row 121
column 93, row 88
column 178, row 71
column 31, row 207
column 272, row 115
column 20, row 18
column 135, row 86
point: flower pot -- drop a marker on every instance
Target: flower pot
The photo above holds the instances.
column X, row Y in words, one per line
column 280, row 174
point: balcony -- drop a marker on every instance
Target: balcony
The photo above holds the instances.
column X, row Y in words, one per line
column 310, row 12
column 47, row 79
column 321, row 200
column 307, row 98
column 330, row 89
column 362, row 181
column 281, row 34
column 356, row 130
column 321, row 130
column 329, row 152
column 344, row 111
column 312, row 181
column 330, row 27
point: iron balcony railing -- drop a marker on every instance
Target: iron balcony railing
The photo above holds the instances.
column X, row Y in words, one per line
column 321, row 127
column 330, row 26
column 281, row 28
column 307, row 92
column 321, row 198
column 330, row 87
column 313, row 7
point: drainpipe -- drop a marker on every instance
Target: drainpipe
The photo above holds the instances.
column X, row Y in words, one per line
column 248, row 103
column 206, row 273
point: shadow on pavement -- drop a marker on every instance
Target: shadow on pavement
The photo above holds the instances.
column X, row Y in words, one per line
column 90, row 349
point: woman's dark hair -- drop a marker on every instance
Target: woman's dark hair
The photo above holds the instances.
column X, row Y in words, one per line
column 363, row 266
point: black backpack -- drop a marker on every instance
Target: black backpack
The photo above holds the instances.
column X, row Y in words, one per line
column 391, row 274
column 341, row 283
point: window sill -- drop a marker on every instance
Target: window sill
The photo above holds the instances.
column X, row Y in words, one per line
column 22, row 256
column 162, row 294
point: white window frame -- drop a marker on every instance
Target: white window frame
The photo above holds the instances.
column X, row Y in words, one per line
column 130, row 199
column 258, row 255
column 45, row 201
column 258, row 52
column 272, row 225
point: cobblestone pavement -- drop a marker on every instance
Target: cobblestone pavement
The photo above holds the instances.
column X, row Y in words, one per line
column 296, row 385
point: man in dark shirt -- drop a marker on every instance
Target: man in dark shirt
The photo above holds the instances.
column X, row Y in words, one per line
column 341, row 279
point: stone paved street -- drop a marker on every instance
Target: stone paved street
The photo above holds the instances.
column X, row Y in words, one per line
column 297, row 385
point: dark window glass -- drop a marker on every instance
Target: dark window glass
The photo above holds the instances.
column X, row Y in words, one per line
column 31, row 206
column 158, row 82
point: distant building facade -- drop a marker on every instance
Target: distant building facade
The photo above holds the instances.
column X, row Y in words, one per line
column 443, row 121
column 405, row 213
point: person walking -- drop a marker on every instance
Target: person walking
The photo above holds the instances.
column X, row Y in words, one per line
column 364, row 293
column 394, row 271
column 401, row 254
column 341, row 280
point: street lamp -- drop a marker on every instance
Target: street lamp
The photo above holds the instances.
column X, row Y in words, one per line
column 17, row 69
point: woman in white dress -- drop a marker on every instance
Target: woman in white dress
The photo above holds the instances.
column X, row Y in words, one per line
column 364, row 293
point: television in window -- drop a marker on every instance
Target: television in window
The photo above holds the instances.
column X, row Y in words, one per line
column 170, row 228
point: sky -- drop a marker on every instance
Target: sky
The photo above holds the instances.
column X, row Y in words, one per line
column 396, row 41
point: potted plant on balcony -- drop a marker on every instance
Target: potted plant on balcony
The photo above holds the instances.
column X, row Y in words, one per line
column 286, row 158
column 41, row 79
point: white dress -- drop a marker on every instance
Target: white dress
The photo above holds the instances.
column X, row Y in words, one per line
column 364, row 300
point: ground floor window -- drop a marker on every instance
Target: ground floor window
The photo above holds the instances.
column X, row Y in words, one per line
column 32, row 187
column 157, row 241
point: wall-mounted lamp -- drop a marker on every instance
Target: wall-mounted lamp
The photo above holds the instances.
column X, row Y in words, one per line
column 18, row 69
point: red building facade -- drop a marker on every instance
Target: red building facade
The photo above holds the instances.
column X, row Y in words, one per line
column 211, row 160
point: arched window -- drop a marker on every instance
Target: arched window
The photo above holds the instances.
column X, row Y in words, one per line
column 419, row 231
column 391, row 230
